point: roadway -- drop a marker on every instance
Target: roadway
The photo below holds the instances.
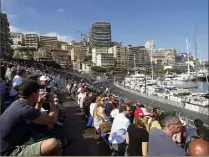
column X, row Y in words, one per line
column 163, row 106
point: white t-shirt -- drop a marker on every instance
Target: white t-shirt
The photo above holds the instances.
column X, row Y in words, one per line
column 120, row 122
column 114, row 113
column 79, row 89
column 92, row 106
column 17, row 80
column 81, row 97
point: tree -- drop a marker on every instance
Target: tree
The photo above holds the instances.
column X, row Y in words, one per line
column 18, row 55
column 98, row 69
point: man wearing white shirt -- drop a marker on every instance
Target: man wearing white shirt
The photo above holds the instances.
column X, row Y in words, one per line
column 16, row 82
column 81, row 97
column 119, row 129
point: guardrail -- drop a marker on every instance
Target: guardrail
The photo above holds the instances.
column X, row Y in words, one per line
column 202, row 110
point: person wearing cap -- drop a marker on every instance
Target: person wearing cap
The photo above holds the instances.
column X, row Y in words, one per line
column 15, row 124
column 146, row 115
column 137, row 136
column 44, row 80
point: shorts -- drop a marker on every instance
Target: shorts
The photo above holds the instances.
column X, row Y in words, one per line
column 28, row 150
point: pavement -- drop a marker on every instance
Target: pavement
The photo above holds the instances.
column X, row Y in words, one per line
column 163, row 106
column 83, row 143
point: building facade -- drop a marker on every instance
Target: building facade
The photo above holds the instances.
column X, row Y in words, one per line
column 130, row 56
column 122, row 56
column 163, row 57
column 141, row 57
column 17, row 38
column 105, row 60
column 96, row 51
column 48, row 42
column 60, row 55
column 5, row 47
column 77, row 54
column 100, row 35
column 32, row 40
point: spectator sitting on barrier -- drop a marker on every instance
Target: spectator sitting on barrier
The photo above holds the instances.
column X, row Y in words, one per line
column 180, row 137
column 2, row 90
column 160, row 141
column 73, row 91
column 16, row 82
column 87, row 102
column 154, row 123
column 119, row 129
column 81, row 97
column 91, row 110
column 108, row 105
column 115, row 111
column 8, row 75
column 198, row 147
column 137, row 136
column 147, row 116
column 45, row 82
column 99, row 115
column 16, row 133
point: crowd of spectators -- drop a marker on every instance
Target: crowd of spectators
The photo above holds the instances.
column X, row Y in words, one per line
column 133, row 129
column 31, row 112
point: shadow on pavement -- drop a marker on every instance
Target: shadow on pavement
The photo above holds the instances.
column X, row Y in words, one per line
column 83, row 143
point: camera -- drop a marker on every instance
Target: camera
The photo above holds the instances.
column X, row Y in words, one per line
column 46, row 103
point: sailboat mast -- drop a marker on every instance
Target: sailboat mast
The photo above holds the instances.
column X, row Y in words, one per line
column 152, row 63
column 195, row 42
column 187, row 44
column 195, row 49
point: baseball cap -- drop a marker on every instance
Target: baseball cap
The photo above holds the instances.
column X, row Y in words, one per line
column 139, row 113
column 28, row 87
column 44, row 78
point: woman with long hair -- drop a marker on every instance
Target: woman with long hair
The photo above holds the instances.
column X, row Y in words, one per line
column 137, row 136
column 99, row 113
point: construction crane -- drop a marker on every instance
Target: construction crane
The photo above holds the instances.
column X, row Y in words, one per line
column 82, row 35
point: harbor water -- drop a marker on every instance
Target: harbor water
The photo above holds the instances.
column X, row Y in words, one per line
column 200, row 86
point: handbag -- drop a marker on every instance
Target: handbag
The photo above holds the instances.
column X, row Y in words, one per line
column 105, row 127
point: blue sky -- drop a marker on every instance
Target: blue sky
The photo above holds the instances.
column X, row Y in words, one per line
column 133, row 22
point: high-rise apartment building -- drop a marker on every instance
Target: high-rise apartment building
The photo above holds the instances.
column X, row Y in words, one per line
column 5, row 47
column 17, row 38
column 47, row 42
column 32, row 40
column 130, row 56
column 141, row 57
column 100, row 35
column 122, row 56
column 105, row 60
